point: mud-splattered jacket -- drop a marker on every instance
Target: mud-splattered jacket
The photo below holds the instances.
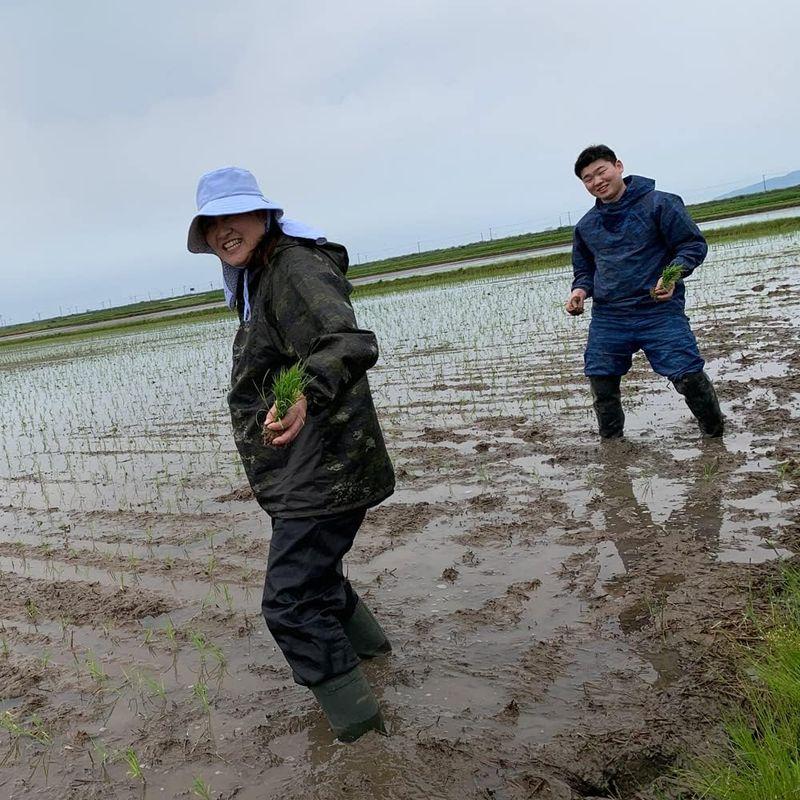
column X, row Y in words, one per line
column 300, row 310
column 620, row 249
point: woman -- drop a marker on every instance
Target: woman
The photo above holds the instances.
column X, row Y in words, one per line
column 327, row 463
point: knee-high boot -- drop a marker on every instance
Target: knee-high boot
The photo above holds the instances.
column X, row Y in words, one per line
column 698, row 391
column 608, row 405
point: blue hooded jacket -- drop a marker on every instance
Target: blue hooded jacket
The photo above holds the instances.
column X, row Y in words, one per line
column 620, row 249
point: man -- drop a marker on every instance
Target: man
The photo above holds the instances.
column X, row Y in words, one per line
column 619, row 251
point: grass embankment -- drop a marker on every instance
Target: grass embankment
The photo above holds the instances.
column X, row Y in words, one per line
column 746, row 204
column 125, row 325
column 131, row 310
column 762, row 758
column 734, row 233
column 749, row 230
column 701, row 212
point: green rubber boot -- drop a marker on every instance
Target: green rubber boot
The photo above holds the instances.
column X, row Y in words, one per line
column 349, row 705
column 365, row 633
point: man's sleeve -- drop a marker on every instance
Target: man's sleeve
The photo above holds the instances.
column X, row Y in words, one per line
column 317, row 323
column 687, row 245
column 583, row 265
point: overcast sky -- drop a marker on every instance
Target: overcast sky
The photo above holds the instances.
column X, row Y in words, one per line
column 382, row 123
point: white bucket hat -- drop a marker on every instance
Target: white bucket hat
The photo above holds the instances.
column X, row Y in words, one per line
column 230, row 190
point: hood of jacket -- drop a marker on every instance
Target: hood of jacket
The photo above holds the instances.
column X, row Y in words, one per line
column 336, row 253
column 613, row 214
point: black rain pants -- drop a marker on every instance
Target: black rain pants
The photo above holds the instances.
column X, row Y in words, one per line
column 307, row 597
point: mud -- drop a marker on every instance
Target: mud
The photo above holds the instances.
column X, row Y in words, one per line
column 565, row 613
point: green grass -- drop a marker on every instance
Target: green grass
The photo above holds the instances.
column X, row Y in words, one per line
column 762, row 758
column 749, row 230
column 463, row 275
column 753, row 230
column 124, row 324
column 701, row 212
column 746, row 204
column 102, row 315
column 509, row 244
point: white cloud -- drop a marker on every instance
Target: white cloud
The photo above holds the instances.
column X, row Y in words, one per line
column 382, row 124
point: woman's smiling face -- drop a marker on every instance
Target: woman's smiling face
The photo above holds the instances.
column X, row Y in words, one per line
column 233, row 237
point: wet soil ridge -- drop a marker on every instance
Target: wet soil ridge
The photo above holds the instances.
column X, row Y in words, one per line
column 564, row 614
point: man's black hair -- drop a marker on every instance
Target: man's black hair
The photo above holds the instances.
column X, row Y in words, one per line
column 592, row 153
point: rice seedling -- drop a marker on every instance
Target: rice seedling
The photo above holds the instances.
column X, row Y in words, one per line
column 210, row 567
column 171, row 634
column 36, row 732
column 221, row 668
column 227, row 597
column 711, row 469
column 200, row 694
column 155, row 687
column 287, row 387
column 201, row 789
column 103, row 756
column 669, row 277
column 31, row 611
column 95, row 670
column 788, row 471
column 134, row 765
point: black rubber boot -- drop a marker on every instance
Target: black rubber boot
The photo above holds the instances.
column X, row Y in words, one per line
column 349, row 705
column 608, row 405
column 365, row 633
column 701, row 398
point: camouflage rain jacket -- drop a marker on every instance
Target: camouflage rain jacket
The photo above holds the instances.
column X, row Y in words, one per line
column 300, row 310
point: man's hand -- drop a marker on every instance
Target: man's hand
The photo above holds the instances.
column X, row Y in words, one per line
column 289, row 426
column 575, row 303
column 660, row 294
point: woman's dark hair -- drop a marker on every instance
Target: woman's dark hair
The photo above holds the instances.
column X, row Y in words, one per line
column 263, row 250
column 594, row 152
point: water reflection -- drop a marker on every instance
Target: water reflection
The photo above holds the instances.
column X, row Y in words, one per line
column 641, row 509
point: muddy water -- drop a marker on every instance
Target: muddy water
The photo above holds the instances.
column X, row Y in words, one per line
column 561, row 611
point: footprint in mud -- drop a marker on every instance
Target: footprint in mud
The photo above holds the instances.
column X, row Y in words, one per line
column 32, row 599
column 19, row 677
column 499, row 612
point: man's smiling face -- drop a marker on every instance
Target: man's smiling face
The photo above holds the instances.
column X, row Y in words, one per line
column 603, row 180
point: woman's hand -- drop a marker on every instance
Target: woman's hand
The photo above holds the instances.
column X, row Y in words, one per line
column 289, row 426
column 660, row 294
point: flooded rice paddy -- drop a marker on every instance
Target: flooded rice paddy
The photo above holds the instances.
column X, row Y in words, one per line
column 562, row 612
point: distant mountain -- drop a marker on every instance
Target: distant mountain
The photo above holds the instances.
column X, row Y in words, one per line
column 783, row 182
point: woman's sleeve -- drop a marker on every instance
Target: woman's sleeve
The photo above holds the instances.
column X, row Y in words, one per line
column 316, row 321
